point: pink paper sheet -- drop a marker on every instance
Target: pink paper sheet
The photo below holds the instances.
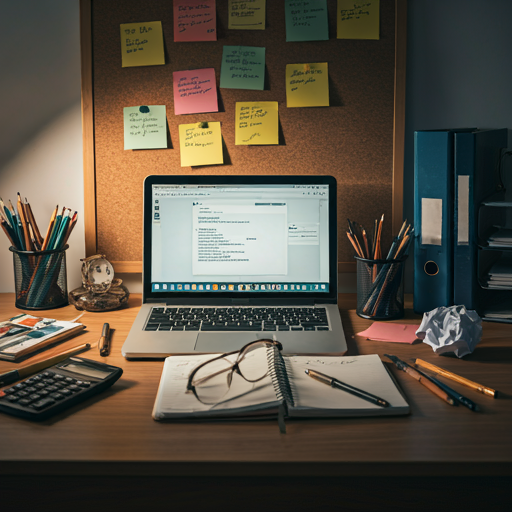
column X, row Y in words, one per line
column 396, row 333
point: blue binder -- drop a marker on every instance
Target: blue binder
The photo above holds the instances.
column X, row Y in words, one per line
column 433, row 218
column 477, row 154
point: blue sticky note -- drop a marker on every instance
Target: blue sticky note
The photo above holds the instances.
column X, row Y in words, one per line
column 306, row 20
column 243, row 67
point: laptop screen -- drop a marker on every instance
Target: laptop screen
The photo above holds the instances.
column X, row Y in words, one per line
column 238, row 236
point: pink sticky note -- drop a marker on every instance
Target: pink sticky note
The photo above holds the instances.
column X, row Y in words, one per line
column 195, row 20
column 384, row 331
column 195, row 91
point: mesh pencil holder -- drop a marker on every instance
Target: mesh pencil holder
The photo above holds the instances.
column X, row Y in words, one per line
column 40, row 278
column 380, row 290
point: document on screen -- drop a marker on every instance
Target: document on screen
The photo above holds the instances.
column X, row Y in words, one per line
column 240, row 239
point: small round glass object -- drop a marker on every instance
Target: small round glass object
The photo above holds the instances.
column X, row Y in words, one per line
column 97, row 273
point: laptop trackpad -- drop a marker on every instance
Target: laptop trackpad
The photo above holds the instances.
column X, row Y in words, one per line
column 225, row 341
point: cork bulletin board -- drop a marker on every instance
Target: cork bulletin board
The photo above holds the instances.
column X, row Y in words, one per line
column 358, row 138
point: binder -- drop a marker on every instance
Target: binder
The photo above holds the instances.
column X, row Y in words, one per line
column 433, row 218
column 477, row 155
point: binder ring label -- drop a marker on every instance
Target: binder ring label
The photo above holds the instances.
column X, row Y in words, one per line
column 431, row 268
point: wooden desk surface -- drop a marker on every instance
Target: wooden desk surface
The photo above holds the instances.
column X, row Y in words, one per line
column 115, row 433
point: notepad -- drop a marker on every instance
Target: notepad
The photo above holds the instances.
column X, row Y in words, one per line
column 285, row 384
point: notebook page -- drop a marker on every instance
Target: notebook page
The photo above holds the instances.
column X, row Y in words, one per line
column 366, row 372
column 172, row 401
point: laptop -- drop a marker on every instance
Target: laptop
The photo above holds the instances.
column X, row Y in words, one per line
column 232, row 259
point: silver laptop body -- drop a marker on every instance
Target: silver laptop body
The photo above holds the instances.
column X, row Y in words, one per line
column 231, row 259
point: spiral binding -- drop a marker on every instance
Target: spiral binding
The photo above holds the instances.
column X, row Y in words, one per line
column 279, row 376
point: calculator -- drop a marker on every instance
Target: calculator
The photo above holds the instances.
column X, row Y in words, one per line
column 57, row 388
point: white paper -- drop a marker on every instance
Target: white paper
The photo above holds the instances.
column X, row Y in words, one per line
column 431, row 221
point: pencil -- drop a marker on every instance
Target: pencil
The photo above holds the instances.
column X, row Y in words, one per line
column 33, row 223
column 50, row 228
column 457, row 378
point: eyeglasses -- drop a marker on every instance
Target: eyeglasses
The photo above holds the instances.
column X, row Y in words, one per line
column 211, row 380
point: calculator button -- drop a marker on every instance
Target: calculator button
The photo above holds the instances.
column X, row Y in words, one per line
column 69, row 380
column 30, row 381
column 83, row 383
column 74, row 388
column 21, row 385
column 57, row 396
column 52, row 388
column 12, row 398
column 43, row 392
column 22, row 394
column 60, row 385
column 50, row 381
column 40, row 385
column 34, row 396
column 8, row 391
column 65, row 392
column 30, row 389
column 48, row 374
column 41, row 404
column 24, row 401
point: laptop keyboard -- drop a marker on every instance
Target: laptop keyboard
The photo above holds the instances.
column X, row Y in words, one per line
column 238, row 319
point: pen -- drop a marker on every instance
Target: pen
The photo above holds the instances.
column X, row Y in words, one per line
column 402, row 365
column 25, row 371
column 457, row 378
column 461, row 399
column 335, row 383
column 104, row 341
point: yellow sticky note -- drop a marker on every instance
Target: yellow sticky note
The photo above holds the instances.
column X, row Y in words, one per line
column 142, row 44
column 256, row 123
column 244, row 15
column 358, row 20
column 200, row 144
column 307, row 85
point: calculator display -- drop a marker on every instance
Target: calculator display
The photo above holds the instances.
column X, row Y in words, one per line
column 86, row 371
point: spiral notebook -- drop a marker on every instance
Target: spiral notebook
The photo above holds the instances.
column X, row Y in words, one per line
column 286, row 387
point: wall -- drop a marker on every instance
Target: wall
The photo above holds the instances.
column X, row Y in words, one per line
column 458, row 74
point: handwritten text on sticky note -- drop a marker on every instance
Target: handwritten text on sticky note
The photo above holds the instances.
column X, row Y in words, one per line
column 195, row 20
column 246, row 14
column 145, row 127
column 200, row 144
column 307, row 85
column 195, row 91
column 243, row 67
column 306, row 20
column 257, row 123
column 142, row 44
column 358, row 20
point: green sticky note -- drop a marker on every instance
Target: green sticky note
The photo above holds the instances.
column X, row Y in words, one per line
column 358, row 20
column 145, row 127
column 306, row 20
column 256, row 123
column 307, row 85
column 246, row 15
column 142, row 44
column 200, row 144
column 243, row 67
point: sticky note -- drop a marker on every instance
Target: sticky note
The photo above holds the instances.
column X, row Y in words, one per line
column 243, row 67
column 246, row 14
column 195, row 20
column 142, row 44
column 306, row 20
column 307, row 85
column 195, row 91
column 385, row 331
column 358, row 20
column 256, row 123
column 200, row 145
column 145, row 127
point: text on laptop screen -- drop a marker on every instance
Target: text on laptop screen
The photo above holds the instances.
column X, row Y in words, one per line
column 240, row 238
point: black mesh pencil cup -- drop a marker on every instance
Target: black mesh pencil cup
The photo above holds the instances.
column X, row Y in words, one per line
column 380, row 291
column 40, row 278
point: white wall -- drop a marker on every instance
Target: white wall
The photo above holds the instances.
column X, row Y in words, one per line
column 458, row 74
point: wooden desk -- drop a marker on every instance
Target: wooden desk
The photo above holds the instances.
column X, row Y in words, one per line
column 110, row 448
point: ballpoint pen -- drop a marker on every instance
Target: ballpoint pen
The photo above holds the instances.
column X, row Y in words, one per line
column 25, row 371
column 335, row 383
column 104, row 341
column 441, row 393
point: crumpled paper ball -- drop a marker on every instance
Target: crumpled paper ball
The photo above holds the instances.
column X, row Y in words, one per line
column 453, row 329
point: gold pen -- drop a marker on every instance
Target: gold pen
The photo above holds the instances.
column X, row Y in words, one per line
column 104, row 341
column 335, row 383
